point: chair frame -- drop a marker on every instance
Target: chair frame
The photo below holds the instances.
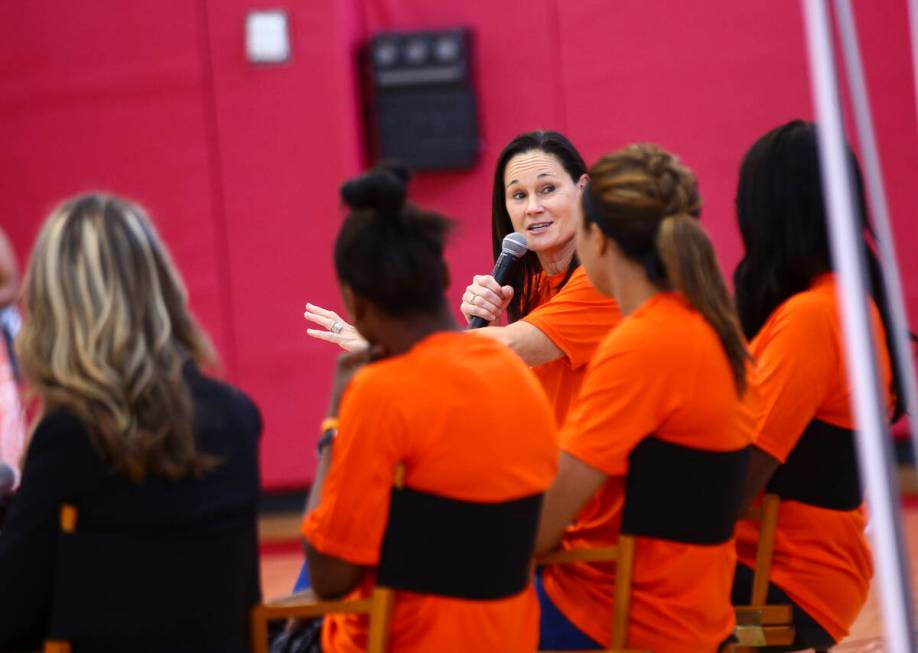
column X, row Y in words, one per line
column 759, row 624
column 378, row 607
column 623, row 556
column 68, row 521
column 306, row 605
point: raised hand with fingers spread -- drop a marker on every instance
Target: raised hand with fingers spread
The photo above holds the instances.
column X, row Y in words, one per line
column 334, row 329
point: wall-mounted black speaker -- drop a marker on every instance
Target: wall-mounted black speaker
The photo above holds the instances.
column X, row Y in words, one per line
column 423, row 103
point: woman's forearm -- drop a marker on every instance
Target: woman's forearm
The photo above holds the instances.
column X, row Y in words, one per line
column 526, row 340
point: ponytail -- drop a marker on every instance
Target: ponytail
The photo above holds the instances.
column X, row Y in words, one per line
column 691, row 268
column 647, row 201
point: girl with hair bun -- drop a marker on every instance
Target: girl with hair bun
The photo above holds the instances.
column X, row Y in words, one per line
column 657, row 441
column 426, row 395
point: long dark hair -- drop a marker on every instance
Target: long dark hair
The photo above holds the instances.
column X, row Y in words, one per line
column 388, row 250
column 522, row 279
column 782, row 220
column 646, row 201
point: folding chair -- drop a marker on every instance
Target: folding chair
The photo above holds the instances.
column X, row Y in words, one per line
column 759, row 624
column 116, row 590
column 674, row 493
column 68, row 519
column 623, row 556
column 457, row 559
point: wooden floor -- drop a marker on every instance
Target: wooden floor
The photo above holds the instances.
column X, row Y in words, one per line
column 281, row 564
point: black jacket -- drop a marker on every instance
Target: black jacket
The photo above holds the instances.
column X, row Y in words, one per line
column 185, row 551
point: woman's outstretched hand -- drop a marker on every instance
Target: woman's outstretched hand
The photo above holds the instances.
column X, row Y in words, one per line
column 334, row 329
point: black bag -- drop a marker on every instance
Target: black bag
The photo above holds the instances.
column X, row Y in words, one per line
column 304, row 637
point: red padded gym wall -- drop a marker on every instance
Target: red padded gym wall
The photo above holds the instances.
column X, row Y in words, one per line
column 109, row 96
column 288, row 135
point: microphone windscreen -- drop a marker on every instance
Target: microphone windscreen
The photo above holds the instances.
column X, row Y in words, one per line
column 515, row 244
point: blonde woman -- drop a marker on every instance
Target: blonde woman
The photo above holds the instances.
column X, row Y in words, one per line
column 132, row 434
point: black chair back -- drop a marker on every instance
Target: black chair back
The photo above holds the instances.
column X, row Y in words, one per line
column 683, row 494
column 146, row 592
column 459, row 549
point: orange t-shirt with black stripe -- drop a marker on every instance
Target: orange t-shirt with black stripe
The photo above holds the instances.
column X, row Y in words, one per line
column 575, row 318
column 821, row 557
column 662, row 371
column 443, row 410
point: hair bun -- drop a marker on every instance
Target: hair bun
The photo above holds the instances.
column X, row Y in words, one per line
column 383, row 188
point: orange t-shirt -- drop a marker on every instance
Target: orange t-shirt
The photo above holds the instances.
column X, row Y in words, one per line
column 575, row 318
column 442, row 410
column 662, row 371
column 821, row 558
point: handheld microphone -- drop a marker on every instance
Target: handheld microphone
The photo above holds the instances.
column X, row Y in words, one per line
column 512, row 249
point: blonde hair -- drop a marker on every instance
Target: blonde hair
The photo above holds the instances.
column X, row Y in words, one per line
column 107, row 333
column 644, row 199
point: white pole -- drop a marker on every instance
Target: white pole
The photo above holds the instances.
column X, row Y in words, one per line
column 913, row 31
column 846, row 238
column 879, row 210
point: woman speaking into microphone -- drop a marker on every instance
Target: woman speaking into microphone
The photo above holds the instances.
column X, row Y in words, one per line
column 555, row 317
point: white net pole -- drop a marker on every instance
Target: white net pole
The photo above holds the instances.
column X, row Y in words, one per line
column 879, row 212
column 846, row 237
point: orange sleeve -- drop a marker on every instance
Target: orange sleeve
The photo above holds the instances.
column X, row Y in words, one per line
column 576, row 319
column 622, row 400
column 351, row 517
column 794, row 368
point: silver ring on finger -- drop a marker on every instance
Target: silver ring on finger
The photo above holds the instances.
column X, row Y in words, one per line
column 337, row 327
column 472, row 300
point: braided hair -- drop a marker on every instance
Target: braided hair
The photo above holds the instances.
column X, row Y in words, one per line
column 643, row 198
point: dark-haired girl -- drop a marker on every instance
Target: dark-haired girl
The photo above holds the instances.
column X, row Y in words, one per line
column 556, row 318
column 421, row 392
column 656, row 442
column 786, row 295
